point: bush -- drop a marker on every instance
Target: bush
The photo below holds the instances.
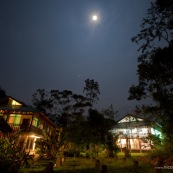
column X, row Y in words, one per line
column 71, row 153
column 160, row 153
column 12, row 153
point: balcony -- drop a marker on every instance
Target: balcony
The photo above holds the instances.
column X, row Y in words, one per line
column 26, row 128
column 134, row 135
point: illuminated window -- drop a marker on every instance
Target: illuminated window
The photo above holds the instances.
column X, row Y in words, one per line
column 14, row 102
column 156, row 132
column 17, row 119
column 14, row 119
column 35, row 122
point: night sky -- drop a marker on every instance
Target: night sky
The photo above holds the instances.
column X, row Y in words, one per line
column 55, row 44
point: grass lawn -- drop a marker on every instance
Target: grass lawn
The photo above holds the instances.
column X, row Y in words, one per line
column 83, row 165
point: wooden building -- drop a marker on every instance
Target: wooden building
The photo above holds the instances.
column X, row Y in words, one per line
column 133, row 132
column 28, row 121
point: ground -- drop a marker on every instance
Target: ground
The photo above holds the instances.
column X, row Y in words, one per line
column 118, row 165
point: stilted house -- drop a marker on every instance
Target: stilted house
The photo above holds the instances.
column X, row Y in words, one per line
column 17, row 116
column 133, row 132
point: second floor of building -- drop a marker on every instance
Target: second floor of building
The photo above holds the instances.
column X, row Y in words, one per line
column 21, row 117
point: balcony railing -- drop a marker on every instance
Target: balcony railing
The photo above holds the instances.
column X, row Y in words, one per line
column 26, row 128
column 134, row 135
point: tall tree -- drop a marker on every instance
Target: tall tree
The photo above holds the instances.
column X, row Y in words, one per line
column 2, row 96
column 41, row 100
column 109, row 112
column 157, row 25
column 155, row 69
column 98, row 129
column 91, row 90
column 65, row 108
column 2, row 93
column 92, row 129
column 61, row 106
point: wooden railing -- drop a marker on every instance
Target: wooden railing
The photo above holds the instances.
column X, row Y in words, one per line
column 134, row 135
column 26, row 128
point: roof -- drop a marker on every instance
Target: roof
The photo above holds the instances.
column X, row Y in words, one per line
column 130, row 118
column 6, row 106
column 17, row 109
column 131, row 121
column 5, row 101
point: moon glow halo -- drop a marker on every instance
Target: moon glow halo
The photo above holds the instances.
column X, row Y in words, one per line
column 94, row 17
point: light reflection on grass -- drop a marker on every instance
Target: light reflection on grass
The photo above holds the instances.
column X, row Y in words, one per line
column 87, row 165
column 82, row 165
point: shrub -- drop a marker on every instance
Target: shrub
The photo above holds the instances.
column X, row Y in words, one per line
column 12, row 153
column 72, row 153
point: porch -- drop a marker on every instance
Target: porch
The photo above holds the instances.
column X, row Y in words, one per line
column 26, row 128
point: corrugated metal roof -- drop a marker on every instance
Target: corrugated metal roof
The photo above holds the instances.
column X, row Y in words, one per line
column 18, row 108
column 21, row 109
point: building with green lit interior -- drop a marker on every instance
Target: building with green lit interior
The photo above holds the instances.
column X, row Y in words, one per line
column 29, row 122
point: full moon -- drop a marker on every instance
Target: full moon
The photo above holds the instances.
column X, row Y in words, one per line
column 94, row 17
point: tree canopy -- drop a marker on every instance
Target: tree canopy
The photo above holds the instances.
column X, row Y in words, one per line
column 156, row 26
column 155, row 65
column 80, row 124
column 2, row 93
column 91, row 90
column 60, row 106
